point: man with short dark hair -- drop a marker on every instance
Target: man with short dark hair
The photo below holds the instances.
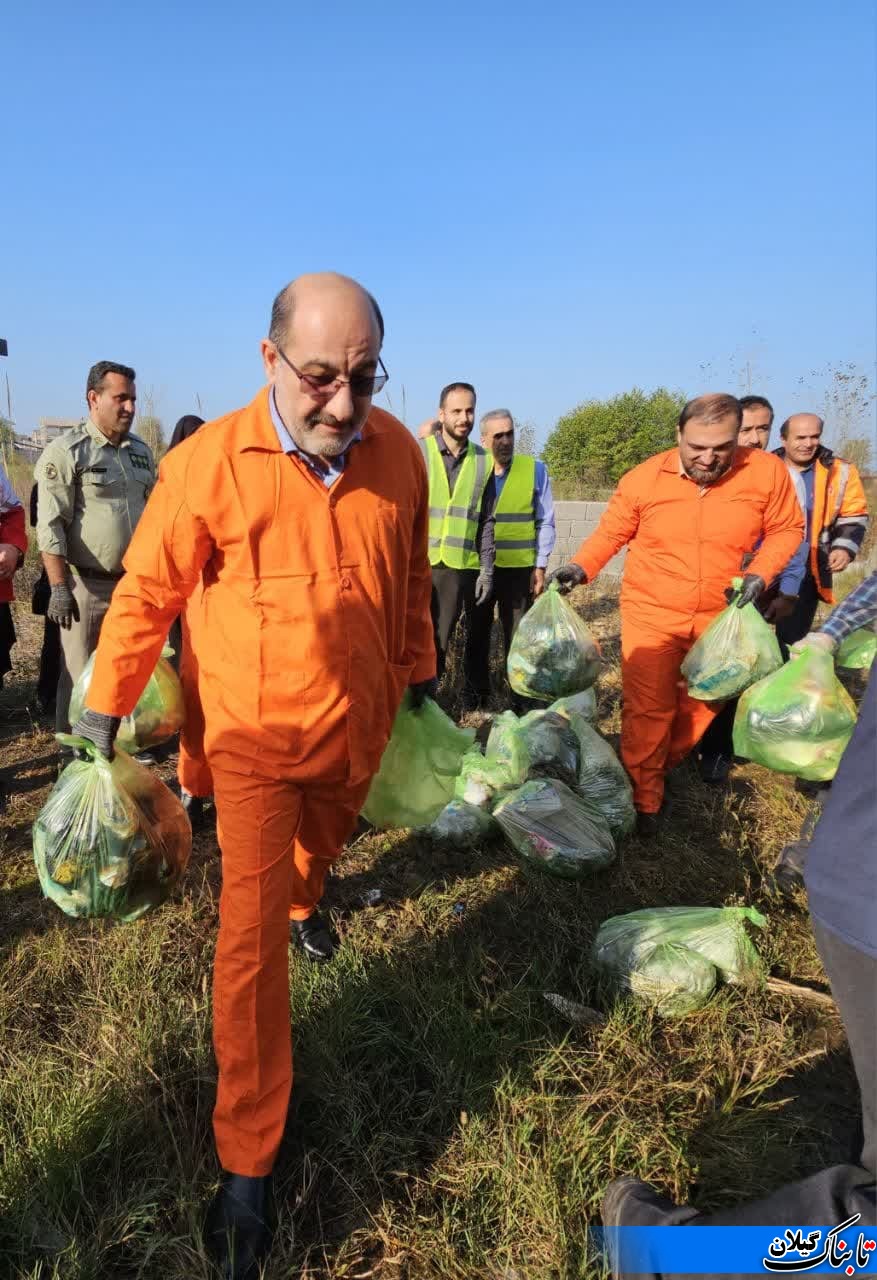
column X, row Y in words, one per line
column 94, row 482
column 836, row 516
column 757, row 422
column 461, row 548
column 304, row 515
column 518, row 499
column 689, row 517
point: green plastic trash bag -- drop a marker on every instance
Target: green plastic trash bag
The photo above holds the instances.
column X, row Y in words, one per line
column 553, row 653
column 540, row 744
column 602, row 779
column 673, row 979
column 481, row 781
column 159, row 713
column 640, row 953
column 737, row 648
column 418, row 768
column 461, row 825
column 856, row 651
column 555, row 830
column 798, row 720
column 582, row 704
column 111, row 840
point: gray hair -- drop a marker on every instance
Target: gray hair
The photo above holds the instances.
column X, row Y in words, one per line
column 496, row 413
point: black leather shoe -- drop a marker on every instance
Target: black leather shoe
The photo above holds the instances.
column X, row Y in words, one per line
column 314, row 938
column 239, row 1226
column 648, row 825
column 788, row 874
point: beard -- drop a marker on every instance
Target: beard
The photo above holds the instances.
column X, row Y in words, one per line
column 708, row 475
column 320, row 435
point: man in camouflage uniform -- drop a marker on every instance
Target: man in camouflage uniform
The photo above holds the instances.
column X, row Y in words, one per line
column 93, row 485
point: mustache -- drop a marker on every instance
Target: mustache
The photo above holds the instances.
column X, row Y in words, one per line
column 319, row 419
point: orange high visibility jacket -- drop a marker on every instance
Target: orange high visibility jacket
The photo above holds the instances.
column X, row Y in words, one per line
column 840, row 513
column 687, row 542
column 316, row 607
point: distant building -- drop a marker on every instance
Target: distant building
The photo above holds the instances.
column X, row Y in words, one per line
column 50, row 428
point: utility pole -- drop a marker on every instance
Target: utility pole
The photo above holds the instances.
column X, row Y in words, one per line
column 4, row 351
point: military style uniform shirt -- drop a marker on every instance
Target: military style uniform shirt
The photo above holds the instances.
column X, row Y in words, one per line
column 91, row 496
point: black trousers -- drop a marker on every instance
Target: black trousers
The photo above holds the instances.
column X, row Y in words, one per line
column 719, row 737
column 511, row 599
column 794, row 628
column 50, row 663
column 453, row 594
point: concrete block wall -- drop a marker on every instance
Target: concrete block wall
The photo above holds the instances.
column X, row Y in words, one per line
column 575, row 521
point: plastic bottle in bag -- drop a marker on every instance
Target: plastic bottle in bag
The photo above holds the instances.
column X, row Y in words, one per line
column 737, row 648
column 111, row 839
column 160, row 710
column 553, row 654
column 418, row 768
column 539, row 744
column 798, row 720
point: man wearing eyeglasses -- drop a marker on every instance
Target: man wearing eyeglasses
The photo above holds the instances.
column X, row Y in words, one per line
column 305, row 513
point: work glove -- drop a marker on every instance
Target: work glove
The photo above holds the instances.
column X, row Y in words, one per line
column 819, row 640
column 99, row 729
column 566, row 577
column 781, row 607
column 62, row 608
column 418, row 693
column 483, row 587
column 750, row 589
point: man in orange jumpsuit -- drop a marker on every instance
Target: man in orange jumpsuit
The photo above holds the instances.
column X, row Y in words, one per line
column 689, row 516
column 305, row 514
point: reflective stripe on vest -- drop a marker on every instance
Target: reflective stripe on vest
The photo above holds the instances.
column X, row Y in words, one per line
column 453, row 518
column 515, row 516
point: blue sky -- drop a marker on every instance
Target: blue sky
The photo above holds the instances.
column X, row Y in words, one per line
column 553, row 201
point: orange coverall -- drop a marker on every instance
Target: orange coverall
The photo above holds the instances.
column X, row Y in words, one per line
column 686, row 543
column 315, row 618
column 193, row 770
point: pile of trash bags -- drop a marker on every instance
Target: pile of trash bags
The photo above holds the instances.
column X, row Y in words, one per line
column 671, row 958
column 797, row 720
column 554, row 787
column 419, row 767
column 159, row 713
column 111, row 839
column 737, row 649
column 553, row 653
column 856, row 651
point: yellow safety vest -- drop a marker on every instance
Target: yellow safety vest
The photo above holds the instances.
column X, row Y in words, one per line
column 453, row 518
column 515, row 517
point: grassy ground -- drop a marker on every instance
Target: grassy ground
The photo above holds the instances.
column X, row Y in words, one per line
column 446, row 1121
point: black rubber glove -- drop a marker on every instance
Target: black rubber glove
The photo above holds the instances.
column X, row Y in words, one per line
column 419, row 692
column 780, row 608
column 567, row 577
column 62, row 608
column 751, row 588
column 99, row 729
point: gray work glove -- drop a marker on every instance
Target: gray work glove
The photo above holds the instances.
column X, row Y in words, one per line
column 750, row 589
column 99, row 729
column 62, row 608
column 418, row 693
column 483, row 587
column 566, row 577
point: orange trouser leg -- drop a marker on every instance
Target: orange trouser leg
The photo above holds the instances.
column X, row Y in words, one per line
column 193, row 771
column 257, row 822
column 328, row 819
column 660, row 723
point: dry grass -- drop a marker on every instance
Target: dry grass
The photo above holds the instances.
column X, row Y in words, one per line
column 447, row 1122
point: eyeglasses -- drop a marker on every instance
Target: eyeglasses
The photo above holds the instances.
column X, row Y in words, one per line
column 324, row 385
